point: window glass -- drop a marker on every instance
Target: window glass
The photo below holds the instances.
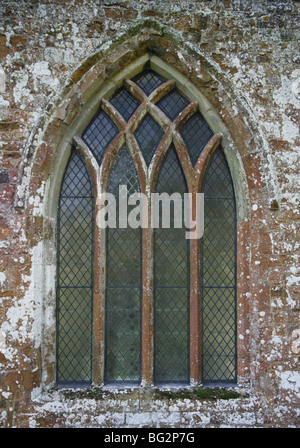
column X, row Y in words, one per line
column 196, row 134
column 123, row 282
column 169, row 263
column 218, row 273
column 75, row 274
column 148, row 135
column 171, row 284
column 99, row 134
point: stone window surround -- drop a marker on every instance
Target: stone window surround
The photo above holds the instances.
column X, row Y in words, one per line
column 147, row 178
column 52, row 189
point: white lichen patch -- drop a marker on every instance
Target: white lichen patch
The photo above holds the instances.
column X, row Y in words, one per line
column 21, row 92
column 37, row 201
column 41, row 73
column 23, row 319
column 290, row 380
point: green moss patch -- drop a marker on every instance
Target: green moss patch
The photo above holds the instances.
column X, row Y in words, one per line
column 215, row 393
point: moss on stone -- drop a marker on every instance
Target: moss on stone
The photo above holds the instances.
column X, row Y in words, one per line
column 89, row 394
column 216, row 393
column 203, row 394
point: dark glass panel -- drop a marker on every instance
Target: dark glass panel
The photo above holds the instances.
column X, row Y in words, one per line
column 123, row 284
column 196, row 134
column 75, row 274
column 148, row 136
column 172, row 104
column 218, row 273
column 171, row 285
column 148, row 81
column 125, row 103
column 99, row 134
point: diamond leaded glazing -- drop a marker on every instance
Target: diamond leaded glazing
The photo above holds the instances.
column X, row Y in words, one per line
column 172, row 104
column 218, row 273
column 99, row 134
column 75, row 269
column 196, row 134
column 123, row 283
column 124, row 252
column 148, row 81
column 171, row 285
column 148, row 136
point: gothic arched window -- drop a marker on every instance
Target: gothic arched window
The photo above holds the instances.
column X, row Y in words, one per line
column 140, row 303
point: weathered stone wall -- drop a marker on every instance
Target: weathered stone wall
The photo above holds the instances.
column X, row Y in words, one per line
column 243, row 57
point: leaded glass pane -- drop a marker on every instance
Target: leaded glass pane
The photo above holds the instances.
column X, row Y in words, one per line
column 172, row 104
column 75, row 274
column 99, row 134
column 125, row 103
column 148, row 136
column 171, row 285
column 218, row 273
column 196, row 134
column 148, row 81
column 123, row 283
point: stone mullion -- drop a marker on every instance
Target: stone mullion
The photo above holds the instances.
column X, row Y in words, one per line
column 159, row 116
column 184, row 115
column 147, row 302
column 185, row 160
column 109, row 158
column 195, row 316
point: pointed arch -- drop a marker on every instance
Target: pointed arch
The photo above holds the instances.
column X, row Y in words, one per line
column 170, row 144
column 46, row 157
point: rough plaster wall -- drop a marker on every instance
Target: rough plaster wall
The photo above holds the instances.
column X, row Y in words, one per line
column 253, row 45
